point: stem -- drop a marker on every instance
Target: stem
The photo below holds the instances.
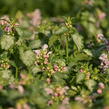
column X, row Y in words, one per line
column 67, row 48
column 16, row 73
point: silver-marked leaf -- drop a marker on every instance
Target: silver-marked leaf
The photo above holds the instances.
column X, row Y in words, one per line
column 77, row 40
column 6, row 42
column 90, row 84
column 28, row 57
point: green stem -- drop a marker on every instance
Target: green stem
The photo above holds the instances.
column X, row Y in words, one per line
column 67, row 48
column 16, row 73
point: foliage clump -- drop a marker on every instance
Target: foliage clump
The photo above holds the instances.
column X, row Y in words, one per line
column 55, row 63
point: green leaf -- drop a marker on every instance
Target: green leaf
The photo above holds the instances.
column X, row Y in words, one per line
column 90, row 84
column 80, row 77
column 6, row 42
column 56, row 36
column 53, row 39
column 26, row 35
column 35, row 69
column 77, row 40
column 19, row 31
column 35, row 44
column 28, row 57
column 60, row 62
column 88, row 52
column 6, row 77
column 61, row 30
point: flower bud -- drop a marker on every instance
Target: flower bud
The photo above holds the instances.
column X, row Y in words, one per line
column 45, row 46
column 99, row 91
column 101, row 85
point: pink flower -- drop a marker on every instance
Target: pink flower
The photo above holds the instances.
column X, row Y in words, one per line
column 12, row 86
column 21, row 89
column 56, row 68
column 103, row 57
column 89, row 2
column 101, row 85
column 49, row 91
column 102, row 15
column 56, row 94
column 37, row 52
column 1, row 87
column 64, row 68
column 81, row 70
column 50, row 102
column 7, row 29
column 46, row 56
column 23, row 76
column 36, row 18
column 26, row 106
column 16, row 24
column 78, row 98
column 62, row 91
column 46, row 61
column 99, row 91
column 4, row 20
column 48, row 80
column 102, row 38
column 104, row 61
column 65, row 101
column 45, row 46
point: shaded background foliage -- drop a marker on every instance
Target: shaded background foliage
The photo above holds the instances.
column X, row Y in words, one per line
column 51, row 7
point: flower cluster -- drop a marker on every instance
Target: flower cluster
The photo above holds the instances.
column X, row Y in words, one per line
column 43, row 59
column 101, row 86
column 89, row 2
column 25, row 79
column 58, row 67
column 105, row 41
column 87, row 74
column 83, row 99
column 58, row 93
column 101, row 15
column 35, row 17
column 104, row 61
column 4, row 64
column 23, row 105
column 4, row 21
column 7, row 24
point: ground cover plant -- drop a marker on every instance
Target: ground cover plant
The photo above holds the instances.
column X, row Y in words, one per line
column 56, row 62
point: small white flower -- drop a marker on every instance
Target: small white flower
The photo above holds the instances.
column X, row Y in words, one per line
column 37, row 52
column 50, row 52
column 103, row 56
column 101, row 85
column 45, row 46
column 100, row 36
column 21, row 89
